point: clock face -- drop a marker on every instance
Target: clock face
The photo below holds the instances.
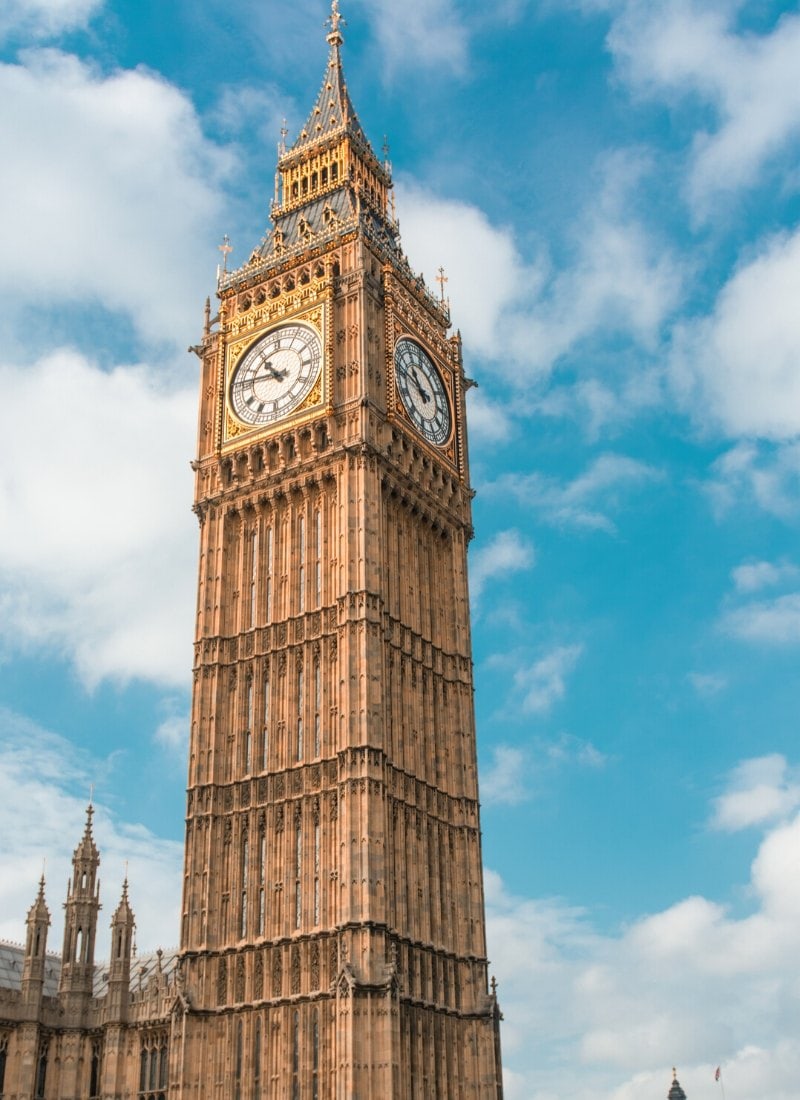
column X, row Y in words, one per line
column 422, row 391
column 276, row 374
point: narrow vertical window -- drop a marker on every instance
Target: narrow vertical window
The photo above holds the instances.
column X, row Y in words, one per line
column 3, row 1053
column 94, row 1072
column 262, row 883
column 237, row 1078
column 316, row 872
column 268, row 568
column 317, row 709
column 243, row 882
column 315, row 1056
column 301, row 571
column 253, row 576
column 296, row 1057
column 298, row 875
column 318, row 558
column 265, row 731
column 257, row 1060
column 300, row 686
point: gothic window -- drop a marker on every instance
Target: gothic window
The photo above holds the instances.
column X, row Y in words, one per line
column 257, row 1061
column 334, row 171
column 300, row 713
column 154, row 1066
column 301, row 571
column 315, row 1056
column 237, row 1082
column 268, row 565
column 3, row 1056
column 324, row 177
column 296, row 1056
column 245, row 858
column 265, row 730
column 94, row 1071
column 298, row 872
column 317, row 709
column 318, row 558
column 262, row 885
column 41, row 1071
column 316, row 872
column 253, row 576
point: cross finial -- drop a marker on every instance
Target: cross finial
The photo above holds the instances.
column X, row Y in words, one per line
column 284, row 135
column 335, row 22
column 226, row 249
column 442, row 280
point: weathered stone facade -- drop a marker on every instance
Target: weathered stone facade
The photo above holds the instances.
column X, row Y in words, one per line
column 333, row 931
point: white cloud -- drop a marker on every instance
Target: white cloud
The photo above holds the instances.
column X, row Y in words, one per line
column 677, row 49
column 42, row 819
column 737, row 368
column 543, row 684
column 707, row 684
column 45, row 18
column 173, row 734
column 423, row 33
column 760, row 791
column 504, row 781
column 585, row 501
column 757, row 575
column 114, row 192
column 619, row 277
column 508, row 552
column 768, row 475
column 770, row 622
column 591, row 1013
column 96, row 562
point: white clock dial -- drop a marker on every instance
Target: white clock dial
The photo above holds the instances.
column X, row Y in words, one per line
column 276, row 374
column 422, row 391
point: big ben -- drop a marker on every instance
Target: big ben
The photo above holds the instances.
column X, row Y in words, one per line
column 333, row 925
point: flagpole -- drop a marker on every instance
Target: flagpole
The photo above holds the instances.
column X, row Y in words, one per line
column 721, row 1082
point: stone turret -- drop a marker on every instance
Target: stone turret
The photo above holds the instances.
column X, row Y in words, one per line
column 123, row 924
column 33, row 967
column 80, row 921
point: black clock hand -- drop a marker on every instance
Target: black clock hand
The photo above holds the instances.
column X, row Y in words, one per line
column 271, row 372
column 423, row 393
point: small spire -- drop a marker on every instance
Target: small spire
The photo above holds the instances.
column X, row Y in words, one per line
column 226, row 249
column 336, row 20
column 442, row 280
column 89, row 814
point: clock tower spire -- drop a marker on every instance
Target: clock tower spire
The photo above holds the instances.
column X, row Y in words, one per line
column 333, row 930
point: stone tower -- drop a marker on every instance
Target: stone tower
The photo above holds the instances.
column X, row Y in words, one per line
column 333, row 930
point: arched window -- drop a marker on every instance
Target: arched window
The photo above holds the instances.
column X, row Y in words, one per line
column 315, row 1056
column 237, row 1079
column 296, row 1056
column 94, row 1072
column 3, row 1055
column 257, row 1060
column 41, row 1072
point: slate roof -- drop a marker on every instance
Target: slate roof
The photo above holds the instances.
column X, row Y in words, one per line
column 143, row 968
column 676, row 1092
column 333, row 112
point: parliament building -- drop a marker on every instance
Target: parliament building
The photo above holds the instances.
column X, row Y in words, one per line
column 332, row 939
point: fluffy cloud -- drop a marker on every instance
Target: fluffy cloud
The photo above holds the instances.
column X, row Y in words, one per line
column 516, row 775
column 95, row 561
column 585, row 501
column 770, row 622
column 738, row 367
column 525, row 314
column 761, row 790
column 757, row 575
column 508, row 552
column 674, row 49
column 591, row 1013
column 543, row 683
column 45, row 18
column 39, row 772
column 113, row 188
column 768, row 475
column 426, row 33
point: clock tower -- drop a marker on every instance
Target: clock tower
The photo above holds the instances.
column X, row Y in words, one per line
column 333, row 928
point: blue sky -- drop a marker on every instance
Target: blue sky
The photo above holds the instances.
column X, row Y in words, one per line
column 613, row 188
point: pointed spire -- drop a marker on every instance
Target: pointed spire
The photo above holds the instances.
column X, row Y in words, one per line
column 336, row 22
column 676, row 1092
column 333, row 112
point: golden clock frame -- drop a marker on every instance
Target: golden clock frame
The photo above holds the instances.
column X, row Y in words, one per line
column 396, row 408
column 234, row 430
